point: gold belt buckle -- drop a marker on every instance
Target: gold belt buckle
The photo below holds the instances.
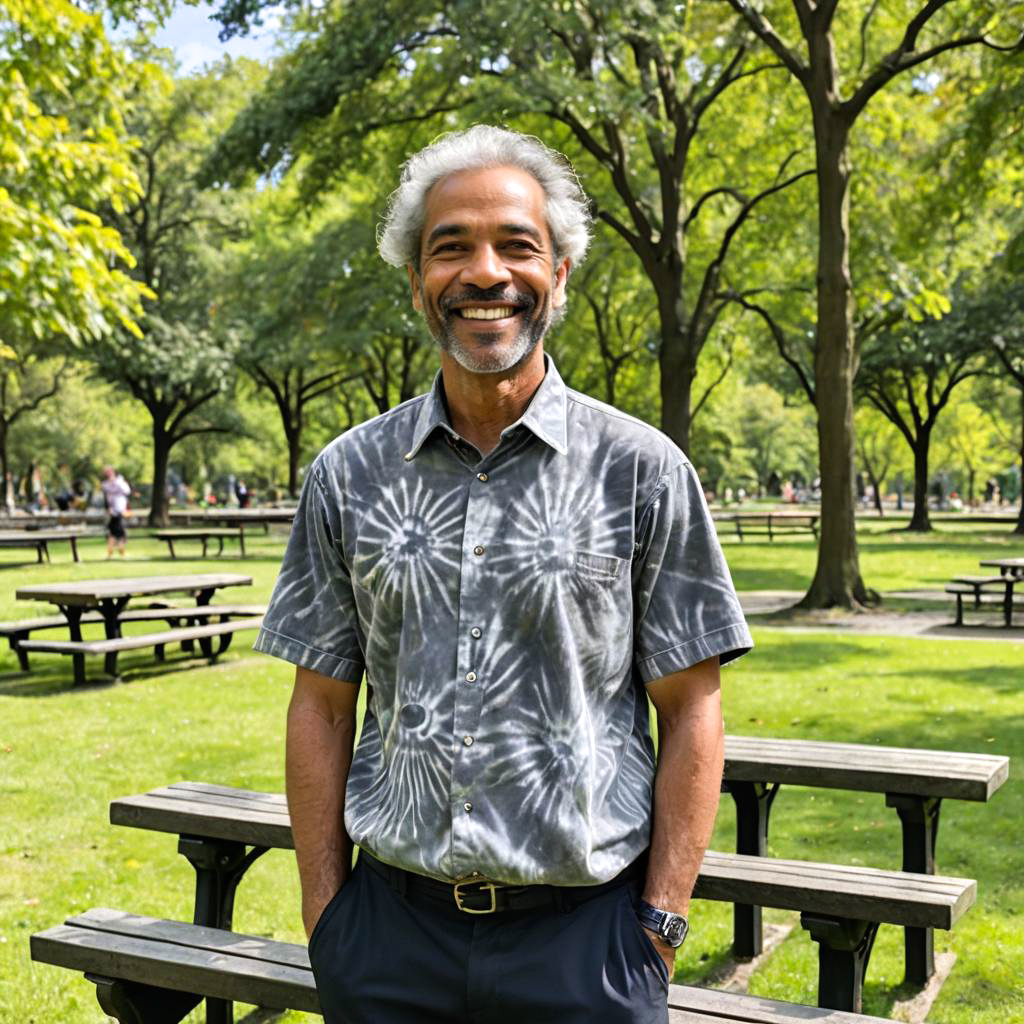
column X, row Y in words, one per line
column 483, row 884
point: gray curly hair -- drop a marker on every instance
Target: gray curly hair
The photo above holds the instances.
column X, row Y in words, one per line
column 481, row 146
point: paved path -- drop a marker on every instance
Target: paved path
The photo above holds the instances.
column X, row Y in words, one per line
column 876, row 622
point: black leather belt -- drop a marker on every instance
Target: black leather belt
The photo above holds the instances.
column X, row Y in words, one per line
column 482, row 896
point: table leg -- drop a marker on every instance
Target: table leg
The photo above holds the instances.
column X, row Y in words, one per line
column 919, row 817
column 74, row 548
column 753, row 802
column 203, row 599
column 219, row 865
column 111, row 609
column 844, row 948
column 74, row 616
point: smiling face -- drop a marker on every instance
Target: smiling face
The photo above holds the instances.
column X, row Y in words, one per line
column 487, row 283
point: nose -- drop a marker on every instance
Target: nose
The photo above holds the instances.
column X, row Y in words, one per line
column 485, row 268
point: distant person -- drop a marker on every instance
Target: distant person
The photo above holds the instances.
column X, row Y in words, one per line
column 242, row 494
column 115, row 494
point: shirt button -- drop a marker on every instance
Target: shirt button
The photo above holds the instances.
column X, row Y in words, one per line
column 476, row 632
column 482, row 477
column 479, row 549
column 467, row 806
column 470, row 677
column 467, row 741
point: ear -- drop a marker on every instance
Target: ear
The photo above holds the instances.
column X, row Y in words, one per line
column 561, row 280
column 415, row 286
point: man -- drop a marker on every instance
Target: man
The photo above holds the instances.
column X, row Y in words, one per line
column 115, row 493
column 511, row 564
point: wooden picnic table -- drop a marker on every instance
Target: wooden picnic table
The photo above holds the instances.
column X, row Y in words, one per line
column 111, row 596
column 239, row 517
column 41, row 539
column 1006, row 566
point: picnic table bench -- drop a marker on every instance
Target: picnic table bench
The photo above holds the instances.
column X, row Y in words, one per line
column 42, row 539
column 991, row 590
column 204, row 535
column 186, row 635
column 18, row 632
column 915, row 782
column 223, row 830
column 772, row 523
column 110, row 597
column 147, row 969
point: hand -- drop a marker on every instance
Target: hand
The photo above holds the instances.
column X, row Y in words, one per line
column 313, row 906
column 667, row 953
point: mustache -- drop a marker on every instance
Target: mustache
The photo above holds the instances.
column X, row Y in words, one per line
column 500, row 293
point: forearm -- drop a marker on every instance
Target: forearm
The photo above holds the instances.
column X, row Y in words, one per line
column 686, row 791
column 317, row 760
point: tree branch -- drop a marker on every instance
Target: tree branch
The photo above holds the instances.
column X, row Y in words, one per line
column 763, row 30
column 779, row 336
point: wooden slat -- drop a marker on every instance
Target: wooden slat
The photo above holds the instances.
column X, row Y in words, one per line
column 131, row 643
column 198, row 532
column 218, row 821
column 866, row 894
column 221, row 974
column 930, row 773
column 91, row 592
column 701, row 1005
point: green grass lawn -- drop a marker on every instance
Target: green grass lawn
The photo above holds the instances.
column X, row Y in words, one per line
column 890, row 557
column 64, row 754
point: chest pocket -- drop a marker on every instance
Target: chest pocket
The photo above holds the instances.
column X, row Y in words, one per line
column 595, row 567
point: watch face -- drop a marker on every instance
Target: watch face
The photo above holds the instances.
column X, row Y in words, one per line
column 674, row 930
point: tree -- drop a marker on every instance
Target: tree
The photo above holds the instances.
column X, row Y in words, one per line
column 184, row 357
column 65, row 151
column 922, row 36
column 908, row 374
column 629, row 88
column 877, row 449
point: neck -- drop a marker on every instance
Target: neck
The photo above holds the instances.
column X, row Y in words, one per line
column 482, row 405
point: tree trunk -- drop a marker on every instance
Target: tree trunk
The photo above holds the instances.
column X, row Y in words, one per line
column 677, row 360
column 293, row 435
column 919, row 520
column 1019, row 528
column 162, row 443
column 5, row 471
column 837, row 581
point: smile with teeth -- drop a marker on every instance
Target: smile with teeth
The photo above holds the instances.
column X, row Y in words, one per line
column 479, row 313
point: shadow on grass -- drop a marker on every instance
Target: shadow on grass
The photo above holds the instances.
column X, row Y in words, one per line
column 55, row 682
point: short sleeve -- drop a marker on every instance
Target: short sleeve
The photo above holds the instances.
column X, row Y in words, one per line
column 686, row 608
column 311, row 620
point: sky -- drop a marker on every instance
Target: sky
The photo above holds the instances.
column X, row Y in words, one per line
column 193, row 36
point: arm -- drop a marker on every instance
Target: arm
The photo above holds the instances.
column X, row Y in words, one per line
column 318, row 753
column 686, row 784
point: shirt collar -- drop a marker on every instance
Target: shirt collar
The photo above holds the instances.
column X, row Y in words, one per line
column 545, row 416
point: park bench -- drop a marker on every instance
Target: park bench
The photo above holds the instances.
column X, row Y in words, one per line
column 40, row 540
column 772, row 523
column 988, row 591
column 841, row 907
column 17, row 632
column 914, row 782
column 159, row 641
column 204, row 535
column 147, row 970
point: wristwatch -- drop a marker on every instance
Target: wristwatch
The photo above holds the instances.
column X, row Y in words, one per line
column 670, row 928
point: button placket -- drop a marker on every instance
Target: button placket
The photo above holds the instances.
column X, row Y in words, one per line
column 473, row 609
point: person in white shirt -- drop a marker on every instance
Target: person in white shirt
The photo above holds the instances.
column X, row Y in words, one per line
column 115, row 492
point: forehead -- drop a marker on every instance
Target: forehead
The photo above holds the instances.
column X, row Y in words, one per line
column 485, row 198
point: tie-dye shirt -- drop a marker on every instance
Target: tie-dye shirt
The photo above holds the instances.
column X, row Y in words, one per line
column 507, row 611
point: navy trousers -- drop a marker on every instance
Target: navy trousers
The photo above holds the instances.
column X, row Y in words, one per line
column 381, row 957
